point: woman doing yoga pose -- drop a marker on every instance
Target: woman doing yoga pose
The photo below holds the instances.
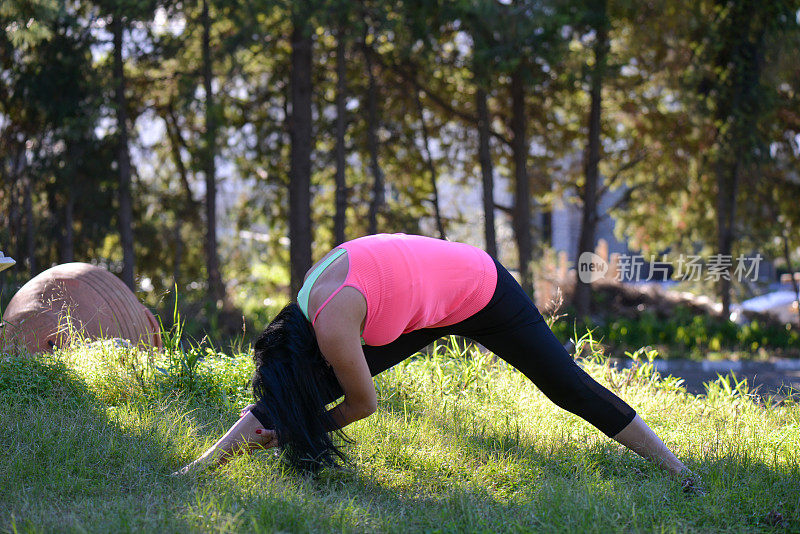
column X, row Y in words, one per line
column 374, row 301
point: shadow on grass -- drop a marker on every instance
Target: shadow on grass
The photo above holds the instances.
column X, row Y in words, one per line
column 532, row 487
column 353, row 500
column 70, row 464
column 741, row 491
column 496, row 481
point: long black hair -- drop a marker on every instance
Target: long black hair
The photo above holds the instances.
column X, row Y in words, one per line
column 292, row 384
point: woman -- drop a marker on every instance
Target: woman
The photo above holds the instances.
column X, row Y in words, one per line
column 374, row 301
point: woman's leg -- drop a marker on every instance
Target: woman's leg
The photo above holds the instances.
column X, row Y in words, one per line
column 512, row 327
column 641, row 439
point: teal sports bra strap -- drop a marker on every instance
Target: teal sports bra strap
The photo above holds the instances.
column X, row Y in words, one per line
column 305, row 291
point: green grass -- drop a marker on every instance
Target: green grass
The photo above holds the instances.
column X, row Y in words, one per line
column 460, row 443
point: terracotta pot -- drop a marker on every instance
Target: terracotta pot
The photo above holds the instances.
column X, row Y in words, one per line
column 72, row 302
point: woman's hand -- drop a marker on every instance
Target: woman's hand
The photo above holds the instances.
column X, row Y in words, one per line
column 245, row 435
column 246, row 409
column 268, row 439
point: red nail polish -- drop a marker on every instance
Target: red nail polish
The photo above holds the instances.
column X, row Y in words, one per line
column 258, row 431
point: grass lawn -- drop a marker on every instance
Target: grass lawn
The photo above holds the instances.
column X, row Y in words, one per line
column 460, row 443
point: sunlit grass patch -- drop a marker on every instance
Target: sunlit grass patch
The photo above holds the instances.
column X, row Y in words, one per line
column 460, row 442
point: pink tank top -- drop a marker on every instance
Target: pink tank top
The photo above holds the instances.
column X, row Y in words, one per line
column 413, row 282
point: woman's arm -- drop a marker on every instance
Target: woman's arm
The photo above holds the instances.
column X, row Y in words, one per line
column 338, row 331
column 343, row 414
column 246, row 434
column 347, row 360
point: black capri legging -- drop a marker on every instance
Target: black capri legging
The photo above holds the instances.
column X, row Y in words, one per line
column 511, row 327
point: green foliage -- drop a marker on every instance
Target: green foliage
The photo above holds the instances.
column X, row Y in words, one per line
column 451, row 369
column 688, row 85
column 205, row 373
column 685, row 334
column 720, row 83
column 56, row 159
column 27, row 23
column 49, row 379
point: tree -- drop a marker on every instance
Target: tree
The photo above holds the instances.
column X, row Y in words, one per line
column 522, row 195
column 734, row 47
column 216, row 288
column 186, row 81
column 301, row 146
column 477, row 18
column 340, row 217
column 426, row 145
column 377, row 199
column 699, row 118
column 125, row 217
column 121, row 14
column 588, row 193
column 532, row 43
column 51, row 154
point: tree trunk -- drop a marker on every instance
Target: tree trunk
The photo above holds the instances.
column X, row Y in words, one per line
column 727, row 188
column 300, row 154
column 30, row 227
column 487, row 171
column 68, row 237
column 191, row 207
column 216, row 289
column 76, row 154
column 177, row 142
column 340, row 217
column 377, row 200
column 586, row 241
column 177, row 262
column 15, row 202
column 431, row 167
column 123, row 160
column 522, row 201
